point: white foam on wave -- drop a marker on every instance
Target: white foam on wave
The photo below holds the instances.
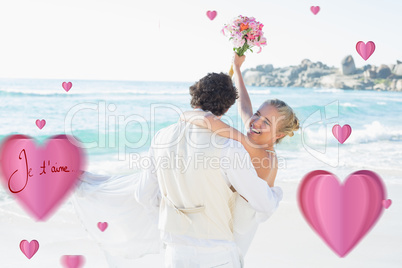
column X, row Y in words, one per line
column 375, row 131
column 35, row 92
column 259, row 92
column 348, row 104
column 317, row 135
column 389, row 98
column 328, row 90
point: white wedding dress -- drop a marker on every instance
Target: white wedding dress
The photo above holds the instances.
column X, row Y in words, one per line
column 132, row 230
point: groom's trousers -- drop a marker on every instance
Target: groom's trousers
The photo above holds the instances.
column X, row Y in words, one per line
column 181, row 256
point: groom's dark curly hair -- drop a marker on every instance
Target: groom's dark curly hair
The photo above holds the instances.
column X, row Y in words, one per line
column 214, row 92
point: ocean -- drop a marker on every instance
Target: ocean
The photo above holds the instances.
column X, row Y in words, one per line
column 114, row 120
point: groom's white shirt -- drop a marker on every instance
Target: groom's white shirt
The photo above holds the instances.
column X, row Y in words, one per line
column 242, row 176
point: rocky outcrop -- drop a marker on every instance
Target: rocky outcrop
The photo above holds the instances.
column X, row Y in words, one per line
column 370, row 73
column 383, row 71
column 396, row 84
column 316, row 74
column 253, row 77
column 348, row 65
column 398, row 69
column 265, row 68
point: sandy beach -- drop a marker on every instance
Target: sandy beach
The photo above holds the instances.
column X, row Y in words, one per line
column 284, row 240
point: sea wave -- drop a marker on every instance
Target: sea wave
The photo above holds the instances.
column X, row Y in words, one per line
column 22, row 92
column 259, row 92
column 348, row 104
column 58, row 92
column 328, row 90
column 373, row 132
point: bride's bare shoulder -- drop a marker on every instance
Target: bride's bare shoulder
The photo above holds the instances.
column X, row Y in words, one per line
column 266, row 165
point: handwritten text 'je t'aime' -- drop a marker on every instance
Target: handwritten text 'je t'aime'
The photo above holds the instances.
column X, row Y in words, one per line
column 28, row 171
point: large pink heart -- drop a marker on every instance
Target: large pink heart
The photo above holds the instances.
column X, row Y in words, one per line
column 40, row 178
column 341, row 214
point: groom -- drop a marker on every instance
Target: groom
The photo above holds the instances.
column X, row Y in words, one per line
column 195, row 201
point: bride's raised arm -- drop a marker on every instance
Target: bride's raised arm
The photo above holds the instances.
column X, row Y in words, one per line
column 210, row 121
column 243, row 102
column 215, row 124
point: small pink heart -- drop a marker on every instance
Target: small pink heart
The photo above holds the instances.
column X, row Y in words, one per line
column 40, row 123
column 102, row 226
column 315, row 9
column 67, row 86
column 29, row 248
column 72, row 261
column 341, row 133
column 365, row 50
column 211, row 14
column 386, row 203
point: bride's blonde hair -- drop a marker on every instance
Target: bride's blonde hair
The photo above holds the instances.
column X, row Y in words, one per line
column 290, row 122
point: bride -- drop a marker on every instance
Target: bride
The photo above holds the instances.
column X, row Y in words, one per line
column 131, row 231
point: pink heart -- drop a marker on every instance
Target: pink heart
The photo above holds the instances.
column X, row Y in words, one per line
column 386, row 203
column 315, row 9
column 29, row 248
column 40, row 178
column 40, row 123
column 341, row 214
column 341, row 133
column 72, row 261
column 102, row 226
column 67, row 86
column 211, row 14
column 365, row 50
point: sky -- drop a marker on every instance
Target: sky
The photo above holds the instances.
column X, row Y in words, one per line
column 174, row 40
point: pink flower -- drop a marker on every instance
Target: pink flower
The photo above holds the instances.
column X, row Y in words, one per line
column 238, row 42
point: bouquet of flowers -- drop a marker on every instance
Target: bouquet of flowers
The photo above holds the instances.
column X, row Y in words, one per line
column 245, row 33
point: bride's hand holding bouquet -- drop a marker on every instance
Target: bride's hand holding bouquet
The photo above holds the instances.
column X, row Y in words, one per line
column 244, row 33
column 238, row 60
